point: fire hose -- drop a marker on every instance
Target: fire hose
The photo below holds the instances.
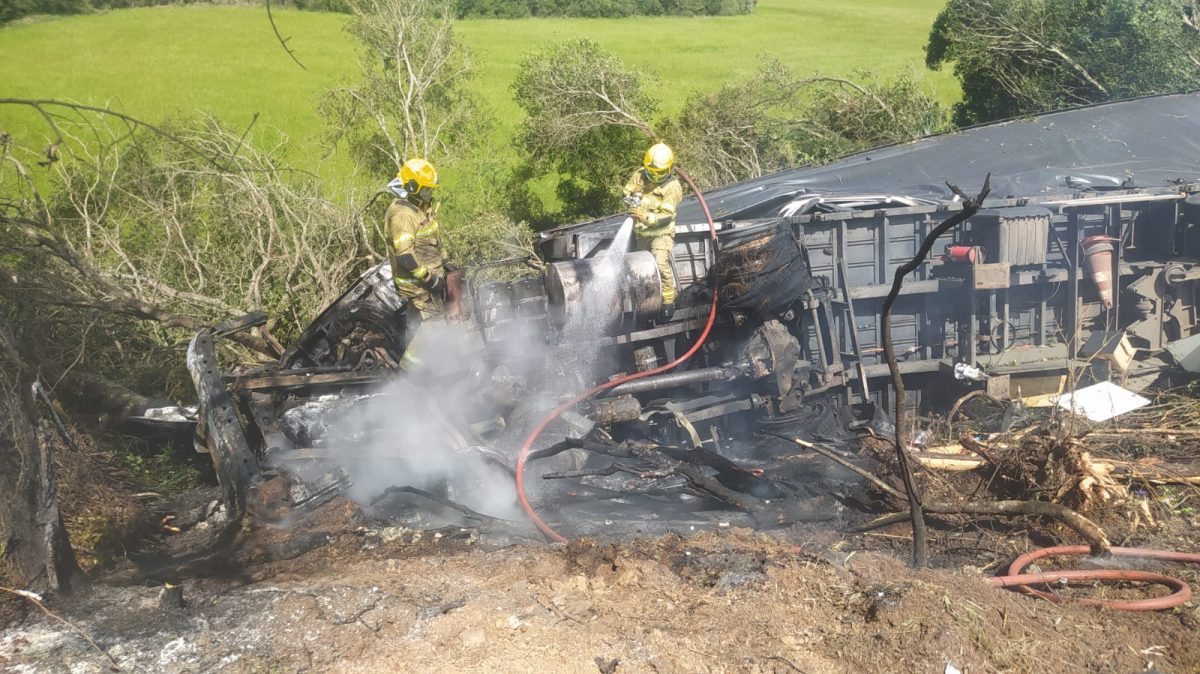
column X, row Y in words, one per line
column 523, row 456
column 1022, row 581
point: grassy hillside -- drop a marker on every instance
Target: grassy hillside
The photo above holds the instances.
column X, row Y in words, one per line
column 165, row 61
column 699, row 53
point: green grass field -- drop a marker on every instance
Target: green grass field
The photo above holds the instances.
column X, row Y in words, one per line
column 176, row 61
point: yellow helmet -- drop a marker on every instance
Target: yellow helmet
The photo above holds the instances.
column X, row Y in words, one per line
column 658, row 162
column 416, row 180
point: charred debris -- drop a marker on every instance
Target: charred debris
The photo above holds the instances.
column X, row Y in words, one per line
column 1081, row 266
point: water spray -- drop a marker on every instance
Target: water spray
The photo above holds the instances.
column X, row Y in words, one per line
column 620, row 243
column 527, row 446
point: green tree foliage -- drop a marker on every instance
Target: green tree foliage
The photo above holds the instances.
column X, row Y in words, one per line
column 584, row 127
column 745, row 128
column 414, row 97
column 15, row 9
column 1016, row 57
column 340, row 6
column 872, row 111
column 11, row 10
column 588, row 122
column 774, row 119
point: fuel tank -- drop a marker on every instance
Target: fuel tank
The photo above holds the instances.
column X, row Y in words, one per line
column 604, row 293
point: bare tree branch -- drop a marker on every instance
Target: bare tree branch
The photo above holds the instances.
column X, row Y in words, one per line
column 970, row 207
column 41, row 105
column 413, row 99
column 283, row 42
column 219, row 235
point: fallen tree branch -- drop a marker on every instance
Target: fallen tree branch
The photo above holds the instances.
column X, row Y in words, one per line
column 1081, row 525
column 963, row 400
column 436, row 499
column 40, row 105
column 970, row 207
column 883, row 521
column 955, row 463
column 978, row 448
column 861, row 472
column 1153, row 473
column 34, row 599
column 1090, row 532
column 59, row 425
column 1096, row 538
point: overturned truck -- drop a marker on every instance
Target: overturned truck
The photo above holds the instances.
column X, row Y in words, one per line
column 1084, row 261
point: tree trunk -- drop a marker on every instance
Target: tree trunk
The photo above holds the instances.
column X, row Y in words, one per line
column 35, row 553
column 89, row 393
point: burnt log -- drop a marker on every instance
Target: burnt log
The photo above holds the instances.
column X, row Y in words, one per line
column 35, row 552
column 89, row 393
column 236, row 465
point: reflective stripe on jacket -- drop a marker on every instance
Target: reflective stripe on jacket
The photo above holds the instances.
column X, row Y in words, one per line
column 659, row 202
column 410, row 230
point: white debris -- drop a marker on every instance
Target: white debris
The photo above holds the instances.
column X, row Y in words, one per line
column 964, row 371
column 176, row 651
column 1101, row 402
column 171, row 413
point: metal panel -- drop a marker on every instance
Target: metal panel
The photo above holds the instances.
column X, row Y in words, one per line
column 1018, row 236
column 1028, row 305
column 691, row 260
column 991, row 276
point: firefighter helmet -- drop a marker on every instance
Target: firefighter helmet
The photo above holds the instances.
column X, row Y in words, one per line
column 658, row 162
column 416, row 182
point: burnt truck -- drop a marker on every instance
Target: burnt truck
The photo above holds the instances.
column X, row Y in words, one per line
column 1083, row 262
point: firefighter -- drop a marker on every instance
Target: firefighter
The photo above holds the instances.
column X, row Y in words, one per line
column 414, row 242
column 653, row 193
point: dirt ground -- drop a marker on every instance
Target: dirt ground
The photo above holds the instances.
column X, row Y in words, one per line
column 726, row 601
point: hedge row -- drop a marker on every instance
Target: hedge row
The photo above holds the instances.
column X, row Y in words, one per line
column 519, row 9
column 11, row 10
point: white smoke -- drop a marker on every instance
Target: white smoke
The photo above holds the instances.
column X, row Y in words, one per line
column 414, row 431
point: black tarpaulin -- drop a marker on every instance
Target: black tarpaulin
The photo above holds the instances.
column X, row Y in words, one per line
column 1145, row 142
column 762, row 273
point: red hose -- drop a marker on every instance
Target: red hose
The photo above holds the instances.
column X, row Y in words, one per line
column 523, row 456
column 1022, row 581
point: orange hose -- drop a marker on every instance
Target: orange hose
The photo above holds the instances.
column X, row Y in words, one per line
column 1022, row 581
column 523, row 456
